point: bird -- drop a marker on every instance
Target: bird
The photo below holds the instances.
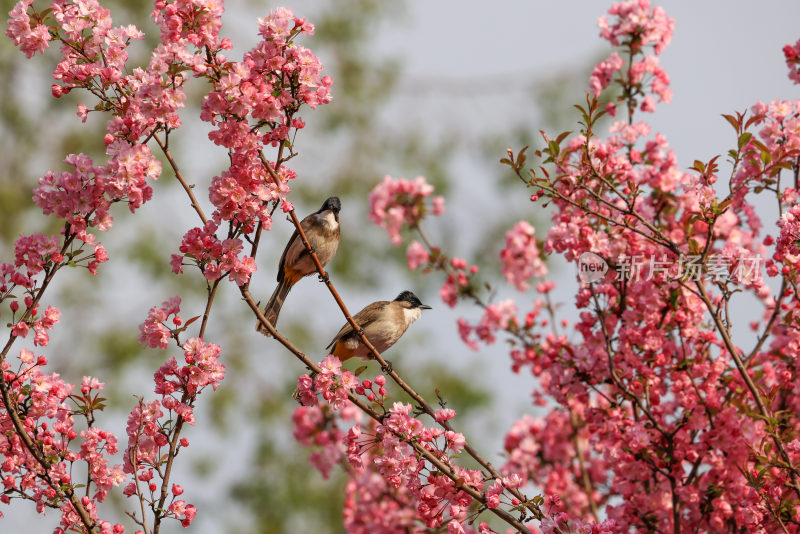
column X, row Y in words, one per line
column 322, row 231
column 383, row 322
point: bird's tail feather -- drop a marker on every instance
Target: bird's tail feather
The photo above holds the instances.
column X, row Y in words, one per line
column 273, row 308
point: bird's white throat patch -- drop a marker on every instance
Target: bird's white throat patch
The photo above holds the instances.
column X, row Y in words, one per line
column 411, row 314
column 329, row 220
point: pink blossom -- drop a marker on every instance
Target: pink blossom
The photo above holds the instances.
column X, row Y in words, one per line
column 792, row 55
column 636, row 23
column 29, row 39
column 394, row 203
column 89, row 383
column 604, row 72
column 465, row 331
column 496, row 317
column 33, row 251
column 520, row 257
column 20, row 329
column 444, row 414
column 417, row 255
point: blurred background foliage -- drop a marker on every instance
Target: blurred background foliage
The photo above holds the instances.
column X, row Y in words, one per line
column 243, row 454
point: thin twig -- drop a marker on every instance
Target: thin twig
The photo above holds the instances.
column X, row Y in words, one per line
column 179, row 177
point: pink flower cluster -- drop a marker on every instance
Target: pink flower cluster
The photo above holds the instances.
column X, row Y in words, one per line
column 417, row 255
column 520, row 257
column 792, row 55
column 780, row 129
column 94, row 55
column 634, row 27
column 147, row 436
column 214, row 257
column 543, row 449
column 153, row 332
column 787, row 247
column 628, row 410
column 194, row 21
column 314, row 427
column 34, row 252
column 382, row 461
column 458, row 282
column 500, row 316
column 84, row 196
column 42, row 324
column 254, row 104
column 202, row 369
column 386, row 448
column 393, row 203
column 637, row 25
column 603, row 73
column 333, row 384
column 30, row 38
column 151, row 431
column 314, row 421
column 242, row 194
column 48, row 416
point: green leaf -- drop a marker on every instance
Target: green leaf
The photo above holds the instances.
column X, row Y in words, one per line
column 744, row 138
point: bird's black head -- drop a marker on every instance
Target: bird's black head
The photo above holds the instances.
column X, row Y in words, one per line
column 411, row 298
column 333, row 204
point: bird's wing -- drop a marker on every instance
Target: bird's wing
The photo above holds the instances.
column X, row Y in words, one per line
column 363, row 318
column 282, row 263
column 294, row 243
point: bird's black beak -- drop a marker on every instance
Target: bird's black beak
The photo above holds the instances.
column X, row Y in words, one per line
column 424, row 307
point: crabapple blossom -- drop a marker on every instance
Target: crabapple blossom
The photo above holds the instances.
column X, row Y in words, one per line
column 520, row 257
column 792, row 55
column 417, row 255
column 214, row 257
column 28, row 37
column 394, row 203
column 603, row 73
column 153, row 331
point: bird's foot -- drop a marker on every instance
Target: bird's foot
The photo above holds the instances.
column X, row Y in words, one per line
column 388, row 368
